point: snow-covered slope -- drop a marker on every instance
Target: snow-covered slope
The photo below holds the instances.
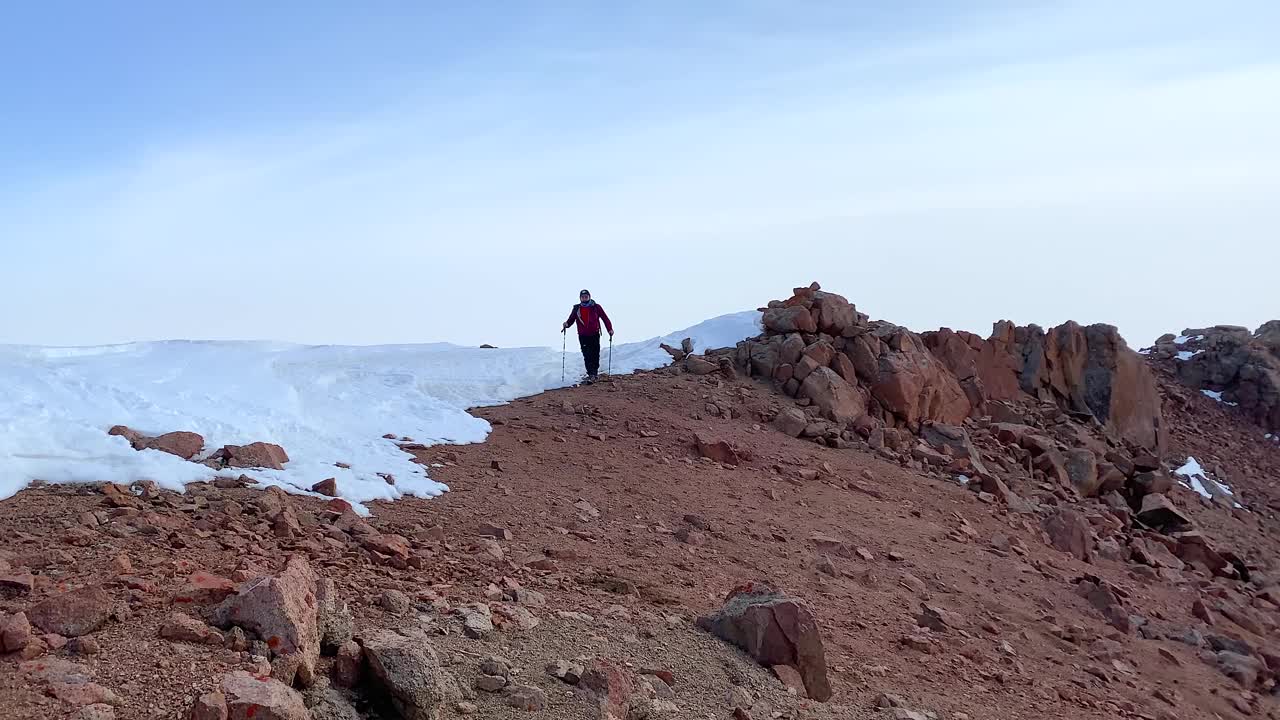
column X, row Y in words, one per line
column 324, row 405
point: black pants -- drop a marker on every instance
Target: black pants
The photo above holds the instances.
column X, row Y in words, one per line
column 590, row 353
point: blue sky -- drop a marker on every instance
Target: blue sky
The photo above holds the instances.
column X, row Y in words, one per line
column 400, row 172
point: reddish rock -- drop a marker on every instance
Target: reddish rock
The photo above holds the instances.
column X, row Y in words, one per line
column 136, row 439
column 250, row 697
column 914, row 385
column 1158, row 512
column 67, row 681
column 612, row 686
column 836, row 315
column 185, row 445
column 255, row 455
column 790, row 421
column 328, row 488
column 719, row 450
column 774, row 630
column 1071, row 533
column 210, row 706
column 15, row 632
column 203, row 588
column 118, row 496
column 789, row 320
column 837, row 399
column 184, row 628
column 282, row 611
column 1107, row 599
column 16, row 583
column 73, row 613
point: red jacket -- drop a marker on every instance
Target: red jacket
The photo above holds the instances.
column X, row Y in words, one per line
column 588, row 318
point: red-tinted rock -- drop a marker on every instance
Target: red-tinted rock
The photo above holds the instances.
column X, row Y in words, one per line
column 16, row 583
column 837, row 399
column 914, row 385
column 185, row 445
column 255, row 455
column 15, row 632
column 73, row 613
column 136, row 439
column 611, row 685
column 1159, row 513
column 282, row 611
column 719, row 450
column 328, row 488
column 789, row 320
column 1071, row 533
column 184, row 628
column 203, row 588
column 774, row 630
column 211, row 706
column 250, row 697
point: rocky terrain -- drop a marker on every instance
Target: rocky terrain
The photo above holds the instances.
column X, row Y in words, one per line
column 840, row 518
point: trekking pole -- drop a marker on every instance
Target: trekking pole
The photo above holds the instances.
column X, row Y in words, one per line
column 610, row 355
column 564, row 348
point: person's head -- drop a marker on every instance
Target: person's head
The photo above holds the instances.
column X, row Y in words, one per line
column 584, row 296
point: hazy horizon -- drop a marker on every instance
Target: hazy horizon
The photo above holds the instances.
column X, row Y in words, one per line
column 331, row 175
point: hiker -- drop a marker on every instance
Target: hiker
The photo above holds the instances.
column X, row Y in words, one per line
column 587, row 314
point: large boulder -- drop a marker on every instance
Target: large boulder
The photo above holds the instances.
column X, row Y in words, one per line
column 411, row 673
column 836, row 315
column 73, row 613
column 774, row 630
column 790, row 421
column 185, row 445
column 255, row 455
column 796, row 318
column 15, row 632
column 1071, row 533
column 250, row 697
column 837, row 399
column 282, row 611
column 913, row 384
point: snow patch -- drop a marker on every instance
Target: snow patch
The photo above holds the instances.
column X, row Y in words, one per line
column 1187, row 354
column 1217, row 396
column 1184, row 339
column 1197, row 480
column 323, row 404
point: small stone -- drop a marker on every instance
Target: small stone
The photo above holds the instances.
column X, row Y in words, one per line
column 494, row 531
column 826, row 567
column 394, row 602
column 490, row 683
column 328, row 488
column 466, row 708
column 526, row 697
column 566, row 670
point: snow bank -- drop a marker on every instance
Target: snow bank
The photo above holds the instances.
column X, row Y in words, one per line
column 1196, row 479
column 1187, row 354
column 323, row 404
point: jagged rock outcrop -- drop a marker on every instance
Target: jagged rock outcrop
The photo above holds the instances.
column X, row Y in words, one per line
column 1087, row 371
column 1243, row 367
column 819, row 349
